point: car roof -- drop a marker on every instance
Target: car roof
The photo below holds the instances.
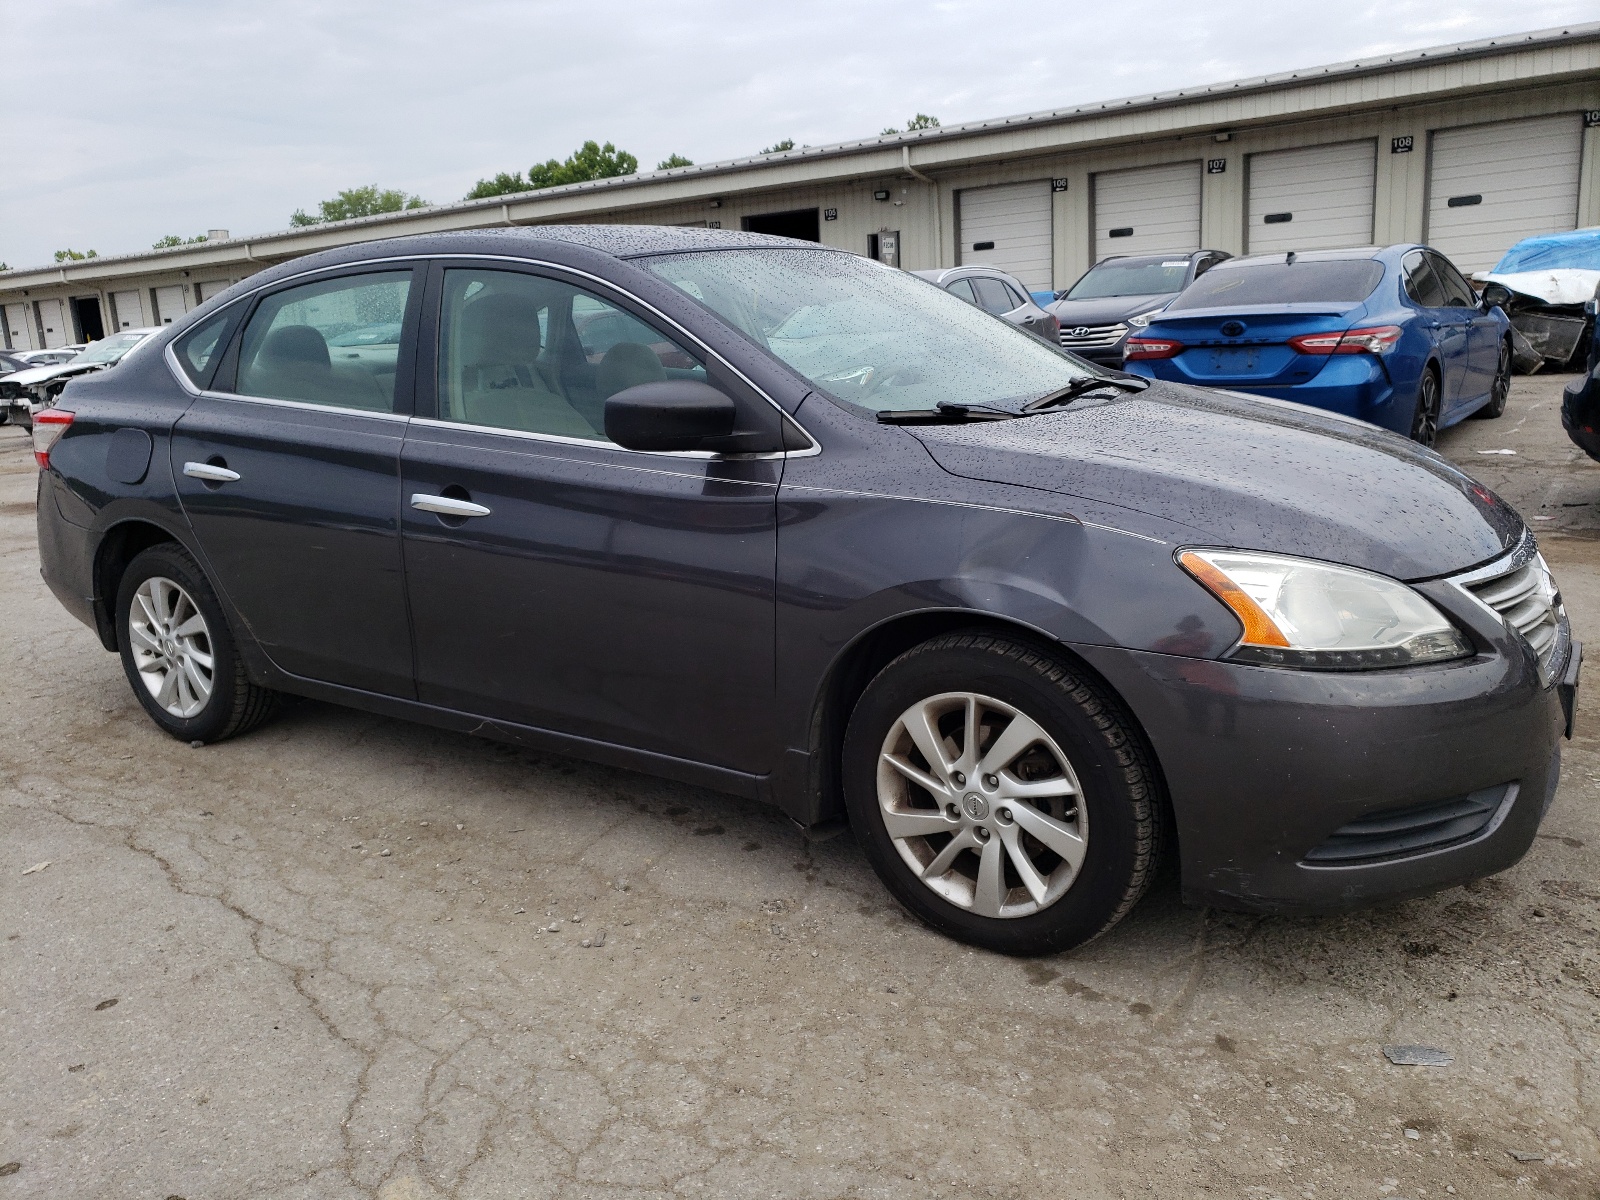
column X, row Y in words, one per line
column 1352, row 252
column 1138, row 258
column 940, row 274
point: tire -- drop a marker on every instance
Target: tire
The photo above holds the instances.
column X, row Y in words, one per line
column 1500, row 389
column 1425, row 417
column 168, row 614
column 1083, row 759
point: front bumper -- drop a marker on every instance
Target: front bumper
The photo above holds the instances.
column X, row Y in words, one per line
column 1265, row 766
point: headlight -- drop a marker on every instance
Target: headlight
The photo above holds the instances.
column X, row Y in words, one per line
column 1300, row 613
column 1142, row 321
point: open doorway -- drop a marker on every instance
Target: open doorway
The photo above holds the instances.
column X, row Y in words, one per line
column 86, row 316
column 800, row 223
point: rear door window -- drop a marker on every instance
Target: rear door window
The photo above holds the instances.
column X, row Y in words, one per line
column 335, row 342
column 994, row 296
column 1331, row 281
column 1422, row 285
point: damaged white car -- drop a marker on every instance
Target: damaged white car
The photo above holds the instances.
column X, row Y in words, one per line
column 24, row 393
column 1543, row 284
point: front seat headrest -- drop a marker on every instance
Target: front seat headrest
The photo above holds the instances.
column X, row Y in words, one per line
column 294, row 345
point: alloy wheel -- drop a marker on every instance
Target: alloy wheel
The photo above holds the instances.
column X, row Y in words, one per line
column 171, row 646
column 1501, row 388
column 982, row 805
column 1425, row 424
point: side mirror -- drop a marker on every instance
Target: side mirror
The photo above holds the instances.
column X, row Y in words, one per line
column 671, row 414
column 1495, row 295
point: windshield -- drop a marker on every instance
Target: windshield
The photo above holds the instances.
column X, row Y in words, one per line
column 1331, row 281
column 870, row 334
column 1131, row 277
column 109, row 349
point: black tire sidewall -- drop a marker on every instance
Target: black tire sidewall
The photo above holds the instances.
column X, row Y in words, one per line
column 1100, row 894
column 1420, row 408
column 173, row 562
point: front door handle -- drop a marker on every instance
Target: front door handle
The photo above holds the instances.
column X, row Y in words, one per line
column 448, row 506
column 210, row 473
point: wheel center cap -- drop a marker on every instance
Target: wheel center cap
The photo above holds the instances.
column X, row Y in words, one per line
column 976, row 806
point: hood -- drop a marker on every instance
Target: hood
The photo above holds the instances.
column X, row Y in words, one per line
column 38, row 375
column 1555, row 285
column 1105, row 310
column 1248, row 473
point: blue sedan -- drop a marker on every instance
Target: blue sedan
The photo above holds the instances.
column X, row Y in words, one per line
column 1394, row 336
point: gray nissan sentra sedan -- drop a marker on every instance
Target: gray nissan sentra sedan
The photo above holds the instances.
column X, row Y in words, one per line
column 781, row 521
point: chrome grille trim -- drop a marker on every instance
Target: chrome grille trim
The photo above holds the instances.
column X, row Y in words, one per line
column 1520, row 590
column 1095, row 337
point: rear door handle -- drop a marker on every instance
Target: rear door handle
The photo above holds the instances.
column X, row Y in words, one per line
column 448, row 506
column 209, row 472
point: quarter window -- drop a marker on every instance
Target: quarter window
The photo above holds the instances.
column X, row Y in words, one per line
column 963, row 289
column 529, row 353
column 336, row 342
column 198, row 349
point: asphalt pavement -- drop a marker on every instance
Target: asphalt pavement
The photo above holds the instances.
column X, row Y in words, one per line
column 350, row 957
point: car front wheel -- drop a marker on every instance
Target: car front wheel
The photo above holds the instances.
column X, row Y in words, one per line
column 1500, row 388
column 178, row 654
column 1004, row 796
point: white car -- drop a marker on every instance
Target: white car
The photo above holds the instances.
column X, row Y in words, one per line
column 26, row 392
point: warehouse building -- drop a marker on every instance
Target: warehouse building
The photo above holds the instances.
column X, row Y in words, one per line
column 1466, row 147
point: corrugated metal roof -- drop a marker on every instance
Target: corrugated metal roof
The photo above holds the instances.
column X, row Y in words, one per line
column 192, row 256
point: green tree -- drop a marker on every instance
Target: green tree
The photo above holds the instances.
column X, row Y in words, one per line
column 780, row 147
column 358, row 202
column 920, row 121
column 5, row 266
column 674, row 160
column 173, row 239
column 590, row 161
column 74, row 256
column 503, row 184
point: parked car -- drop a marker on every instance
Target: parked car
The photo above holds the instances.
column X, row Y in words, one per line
column 1120, row 294
column 880, row 560
column 45, row 358
column 9, row 363
column 26, row 392
column 1544, row 283
column 1395, row 336
column 1580, row 399
column 998, row 294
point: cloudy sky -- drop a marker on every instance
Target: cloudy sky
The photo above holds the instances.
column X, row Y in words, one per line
column 174, row 116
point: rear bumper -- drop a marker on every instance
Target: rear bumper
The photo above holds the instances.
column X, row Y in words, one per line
column 1351, row 385
column 1264, row 767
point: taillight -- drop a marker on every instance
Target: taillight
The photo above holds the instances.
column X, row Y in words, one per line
column 48, row 426
column 1375, row 339
column 1137, row 348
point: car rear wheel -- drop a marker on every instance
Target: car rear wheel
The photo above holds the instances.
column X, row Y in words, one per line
column 1004, row 797
column 1425, row 418
column 178, row 654
column 1500, row 388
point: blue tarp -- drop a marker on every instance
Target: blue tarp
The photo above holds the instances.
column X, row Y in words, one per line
column 1579, row 249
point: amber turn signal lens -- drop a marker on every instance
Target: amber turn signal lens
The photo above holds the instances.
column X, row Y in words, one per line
column 1259, row 629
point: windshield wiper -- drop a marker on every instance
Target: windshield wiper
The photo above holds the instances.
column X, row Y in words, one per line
column 1078, row 387
column 943, row 413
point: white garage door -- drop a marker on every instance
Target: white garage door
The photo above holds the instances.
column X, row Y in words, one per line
column 53, row 316
column 1492, row 185
column 1009, row 227
column 19, row 327
column 129, row 313
column 1319, row 198
column 1148, row 210
column 215, row 287
column 169, row 304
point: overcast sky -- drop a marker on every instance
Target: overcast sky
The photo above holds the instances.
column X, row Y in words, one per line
column 125, row 121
